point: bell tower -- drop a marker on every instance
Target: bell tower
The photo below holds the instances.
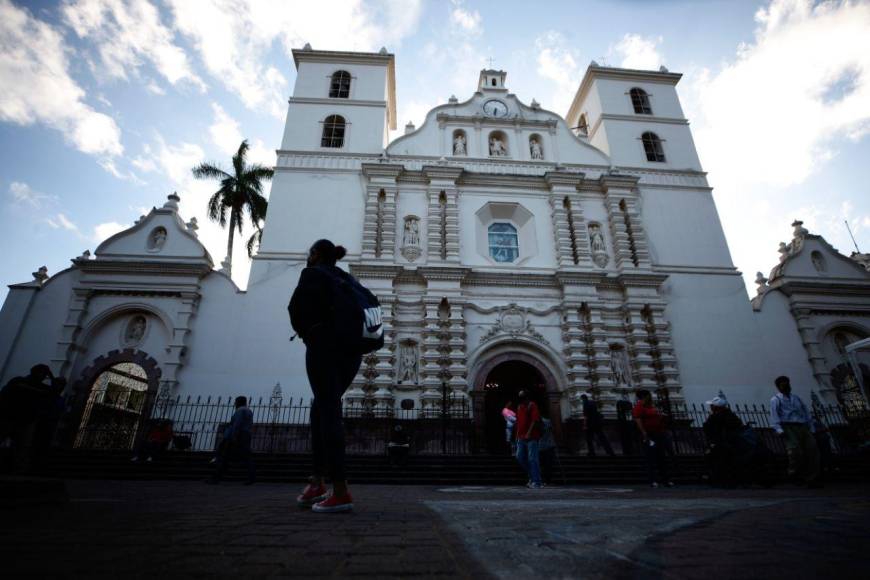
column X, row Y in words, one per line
column 343, row 102
column 635, row 117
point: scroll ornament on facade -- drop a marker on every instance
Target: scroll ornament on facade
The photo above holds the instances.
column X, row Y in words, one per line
column 512, row 322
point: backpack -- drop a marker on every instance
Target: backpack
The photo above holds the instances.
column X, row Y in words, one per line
column 357, row 315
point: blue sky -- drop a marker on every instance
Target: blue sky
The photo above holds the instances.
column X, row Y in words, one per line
column 107, row 105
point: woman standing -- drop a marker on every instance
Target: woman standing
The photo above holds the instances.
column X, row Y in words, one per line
column 651, row 424
column 330, row 367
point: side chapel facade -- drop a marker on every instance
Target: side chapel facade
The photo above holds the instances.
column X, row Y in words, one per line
column 507, row 243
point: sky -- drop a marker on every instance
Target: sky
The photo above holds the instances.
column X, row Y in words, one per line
column 106, row 105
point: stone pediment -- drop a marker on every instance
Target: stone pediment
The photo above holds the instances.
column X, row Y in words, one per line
column 161, row 236
column 811, row 256
column 473, row 128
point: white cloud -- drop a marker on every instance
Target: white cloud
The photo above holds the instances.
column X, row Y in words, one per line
column 128, row 33
column 60, row 221
column 232, row 37
column 106, row 230
column 771, row 118
column 155, row 89
column 110, row 166
column 468, row 20
column 23, row 193
column 638, row 52
column 37, row 87
column 557, row 62
column 259, row 153
column 225, row 133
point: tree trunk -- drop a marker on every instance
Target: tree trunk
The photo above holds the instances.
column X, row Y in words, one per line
column 230, row 241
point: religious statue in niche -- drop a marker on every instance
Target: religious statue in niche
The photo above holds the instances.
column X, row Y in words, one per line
column 135, row 331
column 596, row 243
column 411, row 238
column 459, row 144
column 497, row 147
column 408, row 363
column 620, row 367
column 818, row 261
column 535, row 149
column 157, row 239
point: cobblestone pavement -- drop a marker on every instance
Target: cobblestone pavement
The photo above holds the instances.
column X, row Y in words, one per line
column 153, row 529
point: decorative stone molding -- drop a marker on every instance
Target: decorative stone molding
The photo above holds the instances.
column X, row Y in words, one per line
column 512, row 321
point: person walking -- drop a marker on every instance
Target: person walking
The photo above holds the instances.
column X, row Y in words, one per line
column 332, row 360
column 22, row 402
column 528, row 438
column 723, row 432
column 510, row 423
column 237, row 446
column 594, row 427
column 651, row 425
column 791, row 419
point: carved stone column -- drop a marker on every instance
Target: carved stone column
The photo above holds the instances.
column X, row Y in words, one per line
column 808, row 333
column 639, row 347
column 629, row 239
column 604, row 380
column 382, row 397
column 569, row 227
column 76, row 311
column 443, row 219
column 577, row 355
column 430, row 368
column 668, row 374
column 457, row 369
column 379, row 224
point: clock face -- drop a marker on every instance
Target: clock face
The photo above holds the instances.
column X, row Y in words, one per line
column 495, row 108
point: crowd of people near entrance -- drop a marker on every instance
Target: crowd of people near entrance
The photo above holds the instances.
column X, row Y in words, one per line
column 339, row 321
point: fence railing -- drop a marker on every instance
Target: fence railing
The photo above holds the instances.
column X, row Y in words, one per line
column 198, row 424
column 114, row 421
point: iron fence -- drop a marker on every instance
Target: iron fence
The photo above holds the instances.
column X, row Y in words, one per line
column 198, row 423
column 115, row 419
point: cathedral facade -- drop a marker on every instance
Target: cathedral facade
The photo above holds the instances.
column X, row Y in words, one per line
column 510, row 247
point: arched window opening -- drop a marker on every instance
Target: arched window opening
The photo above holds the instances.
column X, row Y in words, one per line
column 339, row 88
column 333, row 131
column 583, row 125
column 504, row 244
column 494, row 83
column 652, row 146
column 640, row 101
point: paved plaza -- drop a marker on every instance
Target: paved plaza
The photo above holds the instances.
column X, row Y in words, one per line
column 169, row 529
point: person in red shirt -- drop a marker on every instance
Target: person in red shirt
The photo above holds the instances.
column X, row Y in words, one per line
column 528, row 436
column 651, row 424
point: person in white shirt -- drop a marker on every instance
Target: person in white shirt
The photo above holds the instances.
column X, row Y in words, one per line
column 791, row 419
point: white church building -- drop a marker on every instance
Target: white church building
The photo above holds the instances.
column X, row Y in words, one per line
column 509, row 245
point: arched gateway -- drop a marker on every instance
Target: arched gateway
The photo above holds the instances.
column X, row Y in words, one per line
column 497, row 380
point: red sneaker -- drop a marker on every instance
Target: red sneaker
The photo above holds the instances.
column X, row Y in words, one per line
column 333, row 504
column 311, row 495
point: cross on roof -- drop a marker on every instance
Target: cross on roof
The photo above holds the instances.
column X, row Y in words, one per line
column 491, row 60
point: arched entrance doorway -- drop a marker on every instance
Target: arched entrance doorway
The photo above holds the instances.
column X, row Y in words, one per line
column 498, row 380
column 503, row 383
column 115, row 397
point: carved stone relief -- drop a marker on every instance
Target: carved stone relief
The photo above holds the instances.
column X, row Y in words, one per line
column 409, row 362
column 535, row 149
column 134, row 331
column 459, row 143
column 597, row 245
column 156, row 239
column 512, row 321
column 411, row 238
column 620, row 366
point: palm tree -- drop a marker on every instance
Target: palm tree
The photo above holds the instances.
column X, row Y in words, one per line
column 240, row 191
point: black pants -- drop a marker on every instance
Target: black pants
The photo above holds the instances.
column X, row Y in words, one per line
column 329, row 374
column 239, row 449
column 657, row 457
column 596, row 432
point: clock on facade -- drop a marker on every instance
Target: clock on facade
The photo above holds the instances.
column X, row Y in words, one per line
column 495, row 108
